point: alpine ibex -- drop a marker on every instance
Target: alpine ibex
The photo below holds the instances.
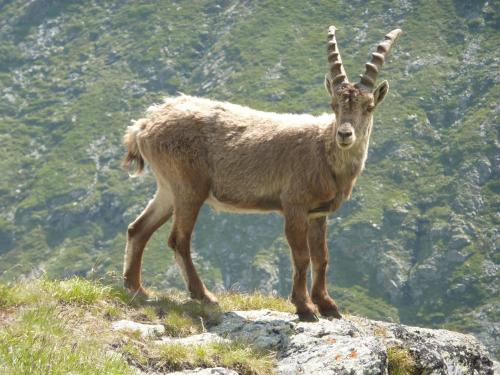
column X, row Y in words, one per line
column 242, row 160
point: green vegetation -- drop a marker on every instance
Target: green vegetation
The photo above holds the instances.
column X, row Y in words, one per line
column 254, row 301
column 356, row 301
column 180, row 325
column 45, row 329
column 61, row 327
column 39, row 342
column 72, row 291
column 400, row 361
column 236, row 356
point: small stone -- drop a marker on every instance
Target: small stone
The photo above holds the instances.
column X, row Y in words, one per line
column 206, row 371
column 201, row 339
column 146, row 330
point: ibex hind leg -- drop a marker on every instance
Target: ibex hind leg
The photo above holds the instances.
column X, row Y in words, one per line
column 156, row 213
column 185, row 214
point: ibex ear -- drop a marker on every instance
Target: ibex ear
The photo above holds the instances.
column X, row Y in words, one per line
column 328, row 85
column 380, row 92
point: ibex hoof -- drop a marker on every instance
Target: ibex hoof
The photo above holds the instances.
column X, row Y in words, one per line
column 210, row 300
column 308, row 317
column 138, row 292
column 330, row 313
column 327, row 307
column 206, row 297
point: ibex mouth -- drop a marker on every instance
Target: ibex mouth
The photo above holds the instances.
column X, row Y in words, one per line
column 345, row 145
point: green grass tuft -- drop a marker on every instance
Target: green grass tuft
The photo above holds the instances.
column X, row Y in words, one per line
column 255, row 301
column 20, row 293
column 6, row 297
column 76, row 290
column 237, row 356
column 181, row 324
column 400, row 361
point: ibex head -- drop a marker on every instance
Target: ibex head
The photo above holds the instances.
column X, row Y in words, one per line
column 354, row 104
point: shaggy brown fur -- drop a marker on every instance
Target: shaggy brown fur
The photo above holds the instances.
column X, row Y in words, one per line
column 242, row 160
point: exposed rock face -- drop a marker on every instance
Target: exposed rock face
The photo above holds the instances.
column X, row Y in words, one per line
column 348, row 346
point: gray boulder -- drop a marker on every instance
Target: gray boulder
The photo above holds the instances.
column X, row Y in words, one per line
column 353, row 345
column 349, row 346
column 145, row 330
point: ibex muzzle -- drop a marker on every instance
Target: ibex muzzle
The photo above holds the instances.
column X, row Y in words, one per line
column 346, row 135
column 241, row 160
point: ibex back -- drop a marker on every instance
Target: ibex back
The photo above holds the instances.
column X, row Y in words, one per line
column 241, row 160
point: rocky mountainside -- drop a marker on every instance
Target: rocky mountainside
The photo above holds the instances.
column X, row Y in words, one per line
column 417, row 244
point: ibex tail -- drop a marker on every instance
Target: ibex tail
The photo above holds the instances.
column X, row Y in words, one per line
column 133, row 156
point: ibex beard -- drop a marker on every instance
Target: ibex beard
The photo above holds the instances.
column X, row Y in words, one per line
column 241, row 160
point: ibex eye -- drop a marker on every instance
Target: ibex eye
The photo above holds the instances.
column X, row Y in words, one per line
column 370, row 108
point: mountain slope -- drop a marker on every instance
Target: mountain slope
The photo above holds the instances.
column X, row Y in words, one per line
column 417, row 243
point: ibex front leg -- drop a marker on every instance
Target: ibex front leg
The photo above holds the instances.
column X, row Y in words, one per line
column 319, row 257
column 296, row 225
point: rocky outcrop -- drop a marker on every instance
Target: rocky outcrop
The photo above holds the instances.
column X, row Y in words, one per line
column 351, row 345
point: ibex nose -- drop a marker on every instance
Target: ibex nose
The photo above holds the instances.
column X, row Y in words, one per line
column 345, row 133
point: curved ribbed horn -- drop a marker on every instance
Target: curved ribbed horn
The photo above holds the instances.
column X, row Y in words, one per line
column 373, row 67
column 337, row 74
